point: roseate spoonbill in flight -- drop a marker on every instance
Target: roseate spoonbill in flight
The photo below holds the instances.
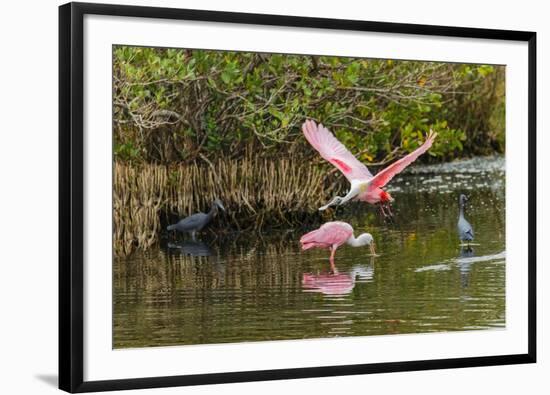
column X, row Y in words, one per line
column 332, row 235
column 196, row 222
column 364, row 186
column 465, row 231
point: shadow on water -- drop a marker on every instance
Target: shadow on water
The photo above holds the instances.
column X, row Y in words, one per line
column 464, row 267
column 257, row 287
column 189, row 247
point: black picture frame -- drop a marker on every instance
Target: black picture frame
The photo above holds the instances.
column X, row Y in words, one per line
column 71, row 204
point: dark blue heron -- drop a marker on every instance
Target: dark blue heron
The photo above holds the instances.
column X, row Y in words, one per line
column 465, row 231
column 196, row 222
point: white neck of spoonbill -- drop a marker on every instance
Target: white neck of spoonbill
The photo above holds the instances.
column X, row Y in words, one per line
column 362, row 240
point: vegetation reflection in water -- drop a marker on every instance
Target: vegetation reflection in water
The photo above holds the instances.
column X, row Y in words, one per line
column 258, row 287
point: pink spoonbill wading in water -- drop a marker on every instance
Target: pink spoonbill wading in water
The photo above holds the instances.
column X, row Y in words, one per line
column 364, row 186
column 332, row 235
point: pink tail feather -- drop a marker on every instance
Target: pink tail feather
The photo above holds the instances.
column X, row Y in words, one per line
column 307, row 246
column 309, row 240
column 309, row 237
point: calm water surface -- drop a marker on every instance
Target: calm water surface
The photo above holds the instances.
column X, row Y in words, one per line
column 251, row 287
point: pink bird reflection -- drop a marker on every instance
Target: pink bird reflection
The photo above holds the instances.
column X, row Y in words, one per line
column 328, row 284
column 334, row 283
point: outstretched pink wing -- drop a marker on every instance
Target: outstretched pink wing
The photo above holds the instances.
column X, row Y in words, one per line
column 385, row 176
column 334, row 151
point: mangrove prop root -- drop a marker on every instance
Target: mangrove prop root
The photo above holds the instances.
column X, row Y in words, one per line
column 257, row 193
